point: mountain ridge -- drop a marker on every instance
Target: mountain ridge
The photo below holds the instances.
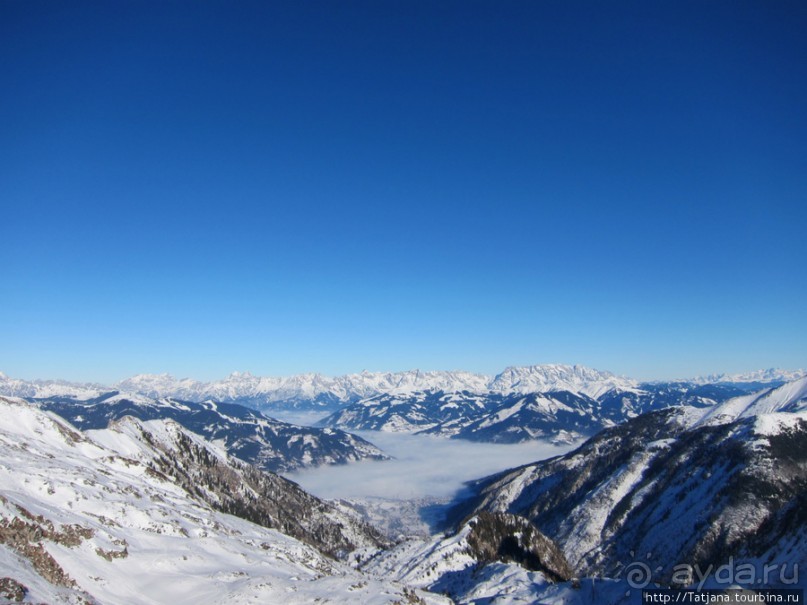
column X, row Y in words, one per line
column 317, row 391
column 687, row 473
column 247, row 434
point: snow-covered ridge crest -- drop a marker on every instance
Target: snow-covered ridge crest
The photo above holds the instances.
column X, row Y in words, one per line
column 536, row 378
column 247, row 434
column 763, row 376
column 557, row 377
column 350, row 387
column 243, row 386
column 15, row 387
column 790, row 397
column 333, row 392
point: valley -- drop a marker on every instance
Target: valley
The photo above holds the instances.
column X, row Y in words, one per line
column 100, row 486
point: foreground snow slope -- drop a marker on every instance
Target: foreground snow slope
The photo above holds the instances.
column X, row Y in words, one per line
column 93, row 521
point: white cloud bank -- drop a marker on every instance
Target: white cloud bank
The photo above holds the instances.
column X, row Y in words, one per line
column 424, row 467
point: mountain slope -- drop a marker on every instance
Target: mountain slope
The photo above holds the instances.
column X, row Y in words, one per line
column 790, row 397
column 491, row 558
column 558, row 416
column 269, row 444
column 232, row 486
column 95, row 520
column 667, row 484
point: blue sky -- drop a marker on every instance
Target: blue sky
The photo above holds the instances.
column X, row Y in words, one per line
column 283, row 187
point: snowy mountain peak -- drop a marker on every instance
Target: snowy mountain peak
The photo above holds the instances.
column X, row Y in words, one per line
column 317, row 391
column 14, row 387
column 762, row 376
column 236, row 374
column 559, row 377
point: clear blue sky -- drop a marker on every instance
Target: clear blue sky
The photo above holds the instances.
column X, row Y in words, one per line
column 279, row 187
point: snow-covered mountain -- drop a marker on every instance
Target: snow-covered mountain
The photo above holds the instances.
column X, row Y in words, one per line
column 318, row 392
column 245, row 433
column 558, row 416
column 133, row 515
column 556, row 377
column 772, row 376
column 313, row 391
column 790, row 397
column 682, row 485
column 560, row 403
column 139, row 512
column 325, row 391
column 14, row 387
column 561, row 417
column 492, row 558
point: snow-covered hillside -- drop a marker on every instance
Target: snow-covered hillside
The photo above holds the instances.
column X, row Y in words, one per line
column 492, row 558
column 556, row 416
column 247, row 434
column 790, row 397
column 686, row 485
column 104, row 519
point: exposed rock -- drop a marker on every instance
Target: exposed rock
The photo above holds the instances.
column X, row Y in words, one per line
column 234, row 487
column 27, row 536
column 12, row 590
column 513, row 539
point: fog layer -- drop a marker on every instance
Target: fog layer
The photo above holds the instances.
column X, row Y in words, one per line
column 423, row 467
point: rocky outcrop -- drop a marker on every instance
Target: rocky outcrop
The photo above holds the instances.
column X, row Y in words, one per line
column 12, row 590
column 234, row 487
column 513, row 539
column 27, row 534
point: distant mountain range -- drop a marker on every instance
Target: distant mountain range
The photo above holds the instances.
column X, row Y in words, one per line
column 558, row 403
column 315, row 391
